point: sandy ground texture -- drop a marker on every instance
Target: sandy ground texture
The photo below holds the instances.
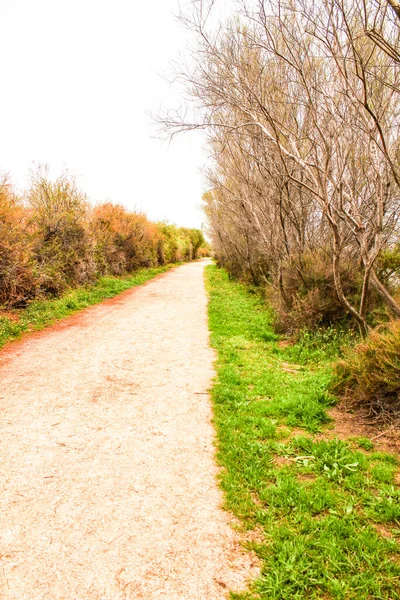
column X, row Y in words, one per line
column 108, row 486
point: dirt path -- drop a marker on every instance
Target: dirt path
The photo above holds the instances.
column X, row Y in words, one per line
column 107, row 473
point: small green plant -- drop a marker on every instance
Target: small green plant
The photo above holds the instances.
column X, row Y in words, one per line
column 364, row 443
column 320, row 344
column 336, row 460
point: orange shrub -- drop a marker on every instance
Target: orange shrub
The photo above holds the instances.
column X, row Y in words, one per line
column 17, row 280
column 370, row 373
column 124, row 241
column 62, row 248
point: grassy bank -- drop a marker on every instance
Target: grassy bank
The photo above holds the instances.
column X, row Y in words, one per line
column 324, row 514
column 40, row 314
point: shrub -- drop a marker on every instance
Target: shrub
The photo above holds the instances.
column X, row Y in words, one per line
column 307, row 298
column 203, row 251
column 370, row 373
column 168, row 246
column 388, row 266
column 179, row 244
column 124, row 241
column 194, row 240
column 17, row 280
column 109, row 228
column 55, row 240
column 62, row 248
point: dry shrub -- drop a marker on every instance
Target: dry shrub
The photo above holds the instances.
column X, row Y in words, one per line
column 109, row 229
column 203, row 252
column 124, row 241
column 62, row 248
column 314, row 309
column 17, row 280
column 307, row 298
column 370, row 373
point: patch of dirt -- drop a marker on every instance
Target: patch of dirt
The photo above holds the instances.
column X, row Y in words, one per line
column 306, row 477
column 281, row 461
column 383, row 531
column 294, row 431
column 10, row 315
column 108, row 474
column 291, row 368
column 284, row 343
column 255, row 536
column 351, row 422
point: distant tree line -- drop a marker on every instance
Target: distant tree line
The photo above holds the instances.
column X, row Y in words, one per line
column 52, row 239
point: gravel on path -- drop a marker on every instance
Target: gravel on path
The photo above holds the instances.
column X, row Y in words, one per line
column 108, row 477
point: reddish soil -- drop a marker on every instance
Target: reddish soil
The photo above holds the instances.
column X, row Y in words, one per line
column 107, row 463
column 354, row 422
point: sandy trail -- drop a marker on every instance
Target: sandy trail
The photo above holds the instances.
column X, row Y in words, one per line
column 107, row 472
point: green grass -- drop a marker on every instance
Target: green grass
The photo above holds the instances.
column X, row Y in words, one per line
column 40, row 314
column 326, row 513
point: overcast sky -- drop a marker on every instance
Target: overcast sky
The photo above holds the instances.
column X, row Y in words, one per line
column 78, row 79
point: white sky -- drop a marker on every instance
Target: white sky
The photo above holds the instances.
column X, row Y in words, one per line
column 77, row 79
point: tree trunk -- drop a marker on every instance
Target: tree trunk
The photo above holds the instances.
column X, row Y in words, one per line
column 338, row 283
column 382, row 291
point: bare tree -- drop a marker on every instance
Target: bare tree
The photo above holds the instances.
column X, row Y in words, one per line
column 300, row 101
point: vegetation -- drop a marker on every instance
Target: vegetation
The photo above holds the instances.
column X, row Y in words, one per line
column 323, row 515
column 52, row 240
column 370, row 373
column 300, row 103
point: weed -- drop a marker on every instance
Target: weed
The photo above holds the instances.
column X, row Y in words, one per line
column 364, row 443
column 321, row 344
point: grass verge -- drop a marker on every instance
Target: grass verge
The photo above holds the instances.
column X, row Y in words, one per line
column 324, row 514
column 40, row 314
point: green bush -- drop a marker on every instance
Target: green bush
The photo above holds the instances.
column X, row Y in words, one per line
column 370, row 372
column 179, row 244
